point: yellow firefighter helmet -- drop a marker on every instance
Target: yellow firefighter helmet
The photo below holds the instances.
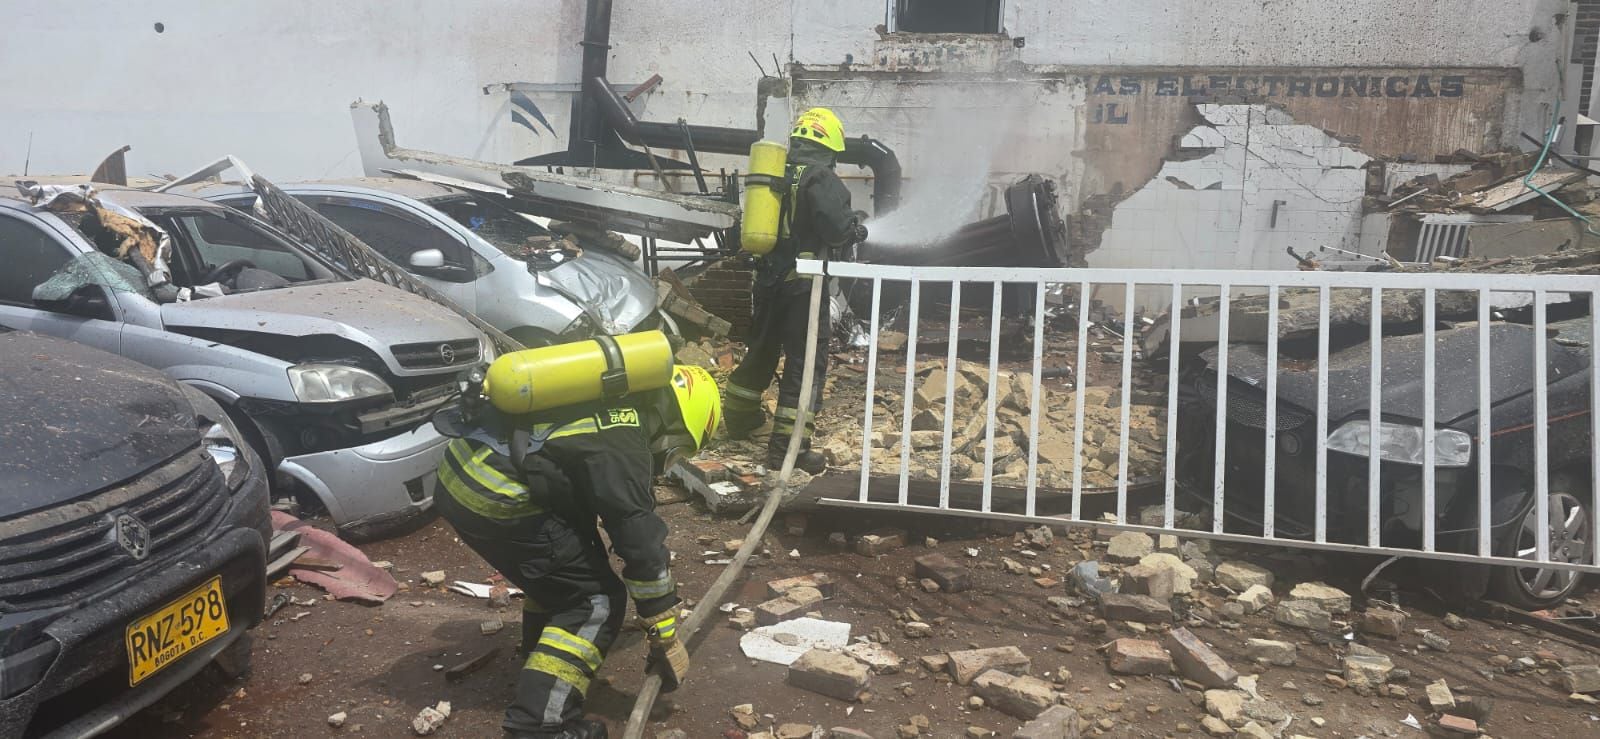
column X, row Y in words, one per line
column 822, row 126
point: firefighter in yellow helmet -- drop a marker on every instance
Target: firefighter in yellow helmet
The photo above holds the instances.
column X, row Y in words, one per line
column 523, row 491
column 815, row 222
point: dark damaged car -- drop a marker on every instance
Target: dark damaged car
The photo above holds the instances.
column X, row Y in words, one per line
column 1514, row 523
column 133, row 531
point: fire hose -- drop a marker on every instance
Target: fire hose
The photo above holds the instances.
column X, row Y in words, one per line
column 714, row 595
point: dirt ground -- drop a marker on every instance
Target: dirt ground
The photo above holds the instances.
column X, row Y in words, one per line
column 381, row 665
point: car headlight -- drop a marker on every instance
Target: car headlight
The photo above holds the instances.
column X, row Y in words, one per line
column 226, row 447
column 332, row 383
column 1402, row 443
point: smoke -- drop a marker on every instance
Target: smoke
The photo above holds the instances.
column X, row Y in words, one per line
column 952, row 152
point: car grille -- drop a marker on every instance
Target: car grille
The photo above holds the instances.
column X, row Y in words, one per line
column 65, row 554
column 436, row 354
column 1247, row 405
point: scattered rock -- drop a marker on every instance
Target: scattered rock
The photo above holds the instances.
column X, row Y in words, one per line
column 1253, row 730
column 1227, row 705
column 744, row 715
column 966, row 665
column 1239, row 576
column 1458, row 725
column 1130, row 546
column 820, row 581
column 1440, row 699
column 878, row 659
column 433, row 578
column 951, row 577
column 1366, row 668
column 1020, row 697
column 793, row 731
column 841, row 732
column 305, row 678
column 1057, row 722
column 1435, row 641
column 1183, row 575
column 1303, row 614
column 1138, row 608
column 935, row 663
column 1329, row 598
column 1581, row 679
column 917, row 630
column 1138, row 657
column 928, row 586
column 829, row 673
column 1255, row 598
column 880, row 542
column 1143, row 579
column 1039, row 537
column 429, row 719
column 337, row 720
column 792, row 604
column 492, row 626
column 677, row 734
column 1013, row 567
column 1216, row 727
column 1382, row 622
column 1197, row 661
column 1453, row 621
column 742, row 619
column 1271, row 652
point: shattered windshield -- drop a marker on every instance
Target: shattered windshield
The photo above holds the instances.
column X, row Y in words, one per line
column 506, row 229
column 92, row 268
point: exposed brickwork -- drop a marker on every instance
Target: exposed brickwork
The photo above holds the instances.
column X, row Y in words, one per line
column 724, row 289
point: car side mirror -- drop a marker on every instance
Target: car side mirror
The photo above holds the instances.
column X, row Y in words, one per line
column 88, row 301
column 427, row 259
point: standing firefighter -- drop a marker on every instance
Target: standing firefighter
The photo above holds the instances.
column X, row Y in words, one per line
column 814, row 220
column 524, row 482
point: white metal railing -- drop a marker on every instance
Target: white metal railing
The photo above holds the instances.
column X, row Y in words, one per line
column 1487, row 289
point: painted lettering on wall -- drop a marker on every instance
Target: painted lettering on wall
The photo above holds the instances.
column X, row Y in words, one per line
column 1268, row 86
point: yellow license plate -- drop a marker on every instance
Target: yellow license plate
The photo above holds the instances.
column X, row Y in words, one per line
column 162, row 638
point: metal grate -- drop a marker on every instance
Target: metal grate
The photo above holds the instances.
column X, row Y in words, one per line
column 65, row 554
column 434, row 355
column 1446, row 235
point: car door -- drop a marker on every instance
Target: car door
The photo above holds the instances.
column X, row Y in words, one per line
column 36, row 252
column 400, row 236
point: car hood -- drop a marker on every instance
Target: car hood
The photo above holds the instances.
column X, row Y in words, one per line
column 79, row 419
column 606, row 286
column 370, row 313
column 1455, row 372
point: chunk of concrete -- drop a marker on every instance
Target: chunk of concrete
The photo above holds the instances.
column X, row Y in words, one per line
column 1143, row 579
column 1239, row 576
column 1183, row 575
column 1130, row 546
column 1440, row 699
column 1581, row 679
column 951, row 576
column 1019, row 697
column 1137, row 608
column 1366, row 668
column 783, row 643
column 820, row 581
column 831, row 674
column 1057, row 722
column 1227, row 705
column 1267, row 651
column 967, row 664
column 1138, row 657
column 1329, row 598
column 792, row 604
column 1255, row 598
column 1303, row 614
column 1382, row 622
column 880, row 542
column 1197, row 661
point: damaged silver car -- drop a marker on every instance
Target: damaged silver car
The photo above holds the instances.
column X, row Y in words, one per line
column 331, row 380
column 503, row 267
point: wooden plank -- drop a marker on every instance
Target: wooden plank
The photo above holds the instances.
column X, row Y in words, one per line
column 277, row 567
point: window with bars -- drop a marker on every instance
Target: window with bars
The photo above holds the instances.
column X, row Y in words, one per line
column 946, row 16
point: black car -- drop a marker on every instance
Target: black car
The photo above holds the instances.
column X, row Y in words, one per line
column 133, row 533
column 1512, row 513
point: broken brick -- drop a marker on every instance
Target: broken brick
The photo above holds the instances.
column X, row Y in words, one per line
column 952, row 577
column 880, row 542
column 967, row 664
column 1023, row 697
column 1156, row 582
column 1140, row 608
column 793, row 604
column 829, row 673
column 1197, row 661
column 1139, row 657
column 818, row 580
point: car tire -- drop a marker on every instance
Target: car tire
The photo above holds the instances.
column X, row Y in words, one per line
column 1571, row 539
column 235, row 661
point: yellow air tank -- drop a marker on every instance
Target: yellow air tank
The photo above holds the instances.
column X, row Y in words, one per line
column 763, row 197
column 567, row 374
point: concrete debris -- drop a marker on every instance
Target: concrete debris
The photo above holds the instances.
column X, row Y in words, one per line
column 337, row 720
column 1459, row 725
column 744, row 715
column 820, row 581
column 1435, row 641
column 794, row 731
column 878, row 659
column 880, row 542
column 1581, row 679
column 1271, row 652
column 1253, row 730
column 1255, row 598
column 966, row 665
column 1130, row 546
column 791, row 604
column 492, row 626
column 1382, row 622
column 1330, row 599
column 1216, row 727
column 949, row 575
column 433, row 578
column 1227, row 705
column 1303, row 614
column 1440, row 699
column 1183, row 575
column 1453, row 621
column 784, row 643
column 831, row 674
column 1039, row 537
column 429, row 719
column 1021, row 697
column 1366, row 669
column 1138, row 657
column 1239, row 576
column 935, row 663
column 1143, row 579
column 917, row 630
column 1136, row 608
column 743, row 619
column 1057, row 722
column 1197, row 661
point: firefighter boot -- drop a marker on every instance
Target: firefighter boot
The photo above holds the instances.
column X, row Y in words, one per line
column 742, row 413
column 812, row 462
column 576, row 729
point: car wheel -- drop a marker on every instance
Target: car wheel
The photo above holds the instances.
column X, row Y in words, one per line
column 1571, row 540
column 235, row 661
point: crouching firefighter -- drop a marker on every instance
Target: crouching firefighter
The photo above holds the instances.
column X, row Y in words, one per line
column 796, row 208
column 544, row 441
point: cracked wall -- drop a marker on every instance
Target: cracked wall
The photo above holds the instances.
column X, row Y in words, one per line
column 1250, row 182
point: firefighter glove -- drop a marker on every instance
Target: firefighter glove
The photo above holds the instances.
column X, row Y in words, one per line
column 667, row 656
